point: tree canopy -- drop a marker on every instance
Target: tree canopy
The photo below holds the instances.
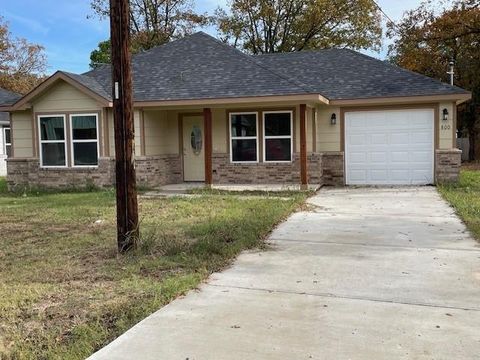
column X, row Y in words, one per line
column 429, row 37
column 267, row 26
column 152, row 23
column 22, row 64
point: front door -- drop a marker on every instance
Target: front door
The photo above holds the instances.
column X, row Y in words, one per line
column 193, row 149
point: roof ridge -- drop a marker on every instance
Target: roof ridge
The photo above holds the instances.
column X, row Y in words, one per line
column 310, row 51
column 166, row 44
column 250, row 58
column 143, row 52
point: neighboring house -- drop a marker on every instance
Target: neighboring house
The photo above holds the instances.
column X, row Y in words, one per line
column 207, row 112
column 6, row 97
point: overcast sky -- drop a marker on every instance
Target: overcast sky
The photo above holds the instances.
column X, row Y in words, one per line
column 68, row 36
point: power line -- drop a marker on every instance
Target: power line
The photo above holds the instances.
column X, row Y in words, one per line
column 385, row 14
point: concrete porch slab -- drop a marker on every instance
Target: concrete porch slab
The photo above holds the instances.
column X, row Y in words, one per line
column 265, row 187
column 184, row 188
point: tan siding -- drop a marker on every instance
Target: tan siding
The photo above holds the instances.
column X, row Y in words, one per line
column 155, row 131
column 136, row 124
column 161, row 132
column 309, row 120
column 111, row 133
column 219, row 129
column 22, row 134
column 173, row 137
column 328, row 136
column 445, row 127
column 63, row 97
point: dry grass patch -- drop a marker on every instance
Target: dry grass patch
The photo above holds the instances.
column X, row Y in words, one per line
column 464, row 196
column 64, row 292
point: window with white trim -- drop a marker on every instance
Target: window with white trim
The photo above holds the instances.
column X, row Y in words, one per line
column 277, row 136
column 52, row 140
column 84, row 135
column 244, row 137
column 7, row 137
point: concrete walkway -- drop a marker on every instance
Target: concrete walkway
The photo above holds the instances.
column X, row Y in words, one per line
column 364, row 274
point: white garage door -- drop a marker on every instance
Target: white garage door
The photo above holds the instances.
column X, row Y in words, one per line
column 389, row 147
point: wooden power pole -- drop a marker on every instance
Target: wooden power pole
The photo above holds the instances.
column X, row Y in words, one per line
column 127, row 207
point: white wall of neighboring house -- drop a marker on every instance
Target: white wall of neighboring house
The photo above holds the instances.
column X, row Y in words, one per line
column 3, row 154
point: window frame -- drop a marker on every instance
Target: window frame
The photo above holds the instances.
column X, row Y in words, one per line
column 256, row 138
column 72, row 141
column 267, row 137
column 41, row 142
column 5, row 144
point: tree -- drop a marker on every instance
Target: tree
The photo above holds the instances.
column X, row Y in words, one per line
column 22, row 64
column 101, row 55
column 428, row 38
column 152, row 23
column 267, row 26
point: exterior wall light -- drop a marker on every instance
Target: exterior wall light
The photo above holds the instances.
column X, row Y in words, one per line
column 445, row 115
column 333, row 119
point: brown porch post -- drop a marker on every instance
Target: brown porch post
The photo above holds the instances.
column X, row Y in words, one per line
column 207, row 120
column 303, row 146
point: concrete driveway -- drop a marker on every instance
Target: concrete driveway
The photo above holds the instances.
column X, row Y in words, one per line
column 364, row 274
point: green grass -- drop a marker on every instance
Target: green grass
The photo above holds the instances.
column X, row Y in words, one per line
column 464, row 196
column 64, row 291
column 3, row 185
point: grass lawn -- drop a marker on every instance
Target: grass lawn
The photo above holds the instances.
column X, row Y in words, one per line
column 465, row 198
column 64, row 292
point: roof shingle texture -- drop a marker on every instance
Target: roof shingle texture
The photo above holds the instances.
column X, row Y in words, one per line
column 8, row 97
column 200, row 67
column 91, row 83
column 346, row 74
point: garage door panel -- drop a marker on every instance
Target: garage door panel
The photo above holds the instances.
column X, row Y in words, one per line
column 389, row 147
column 358, row 175
column 399, row 157
column 376, row 121
column 358, row 139
column 379, row 175
column 378, row 156
column 420, row 176
column 421, row 137
column 423, row 157
column 400, row 137
column 379, row 139
column 358, row 157
column 359, row 122
column 400, row 175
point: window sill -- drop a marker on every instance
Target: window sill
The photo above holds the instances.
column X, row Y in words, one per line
column 279, row 162
column 66, row 168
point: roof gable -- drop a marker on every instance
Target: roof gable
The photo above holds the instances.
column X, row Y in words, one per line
column 62, row 96
column 88, row 86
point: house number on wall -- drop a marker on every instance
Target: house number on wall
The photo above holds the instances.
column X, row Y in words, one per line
column 446, row 127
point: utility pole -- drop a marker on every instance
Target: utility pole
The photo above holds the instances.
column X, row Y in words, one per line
column 126, row 188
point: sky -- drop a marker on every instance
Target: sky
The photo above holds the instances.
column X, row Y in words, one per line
column 68, row 34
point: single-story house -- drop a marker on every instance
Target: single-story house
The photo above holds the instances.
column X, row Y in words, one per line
column 206, row 112
column 6, row 97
